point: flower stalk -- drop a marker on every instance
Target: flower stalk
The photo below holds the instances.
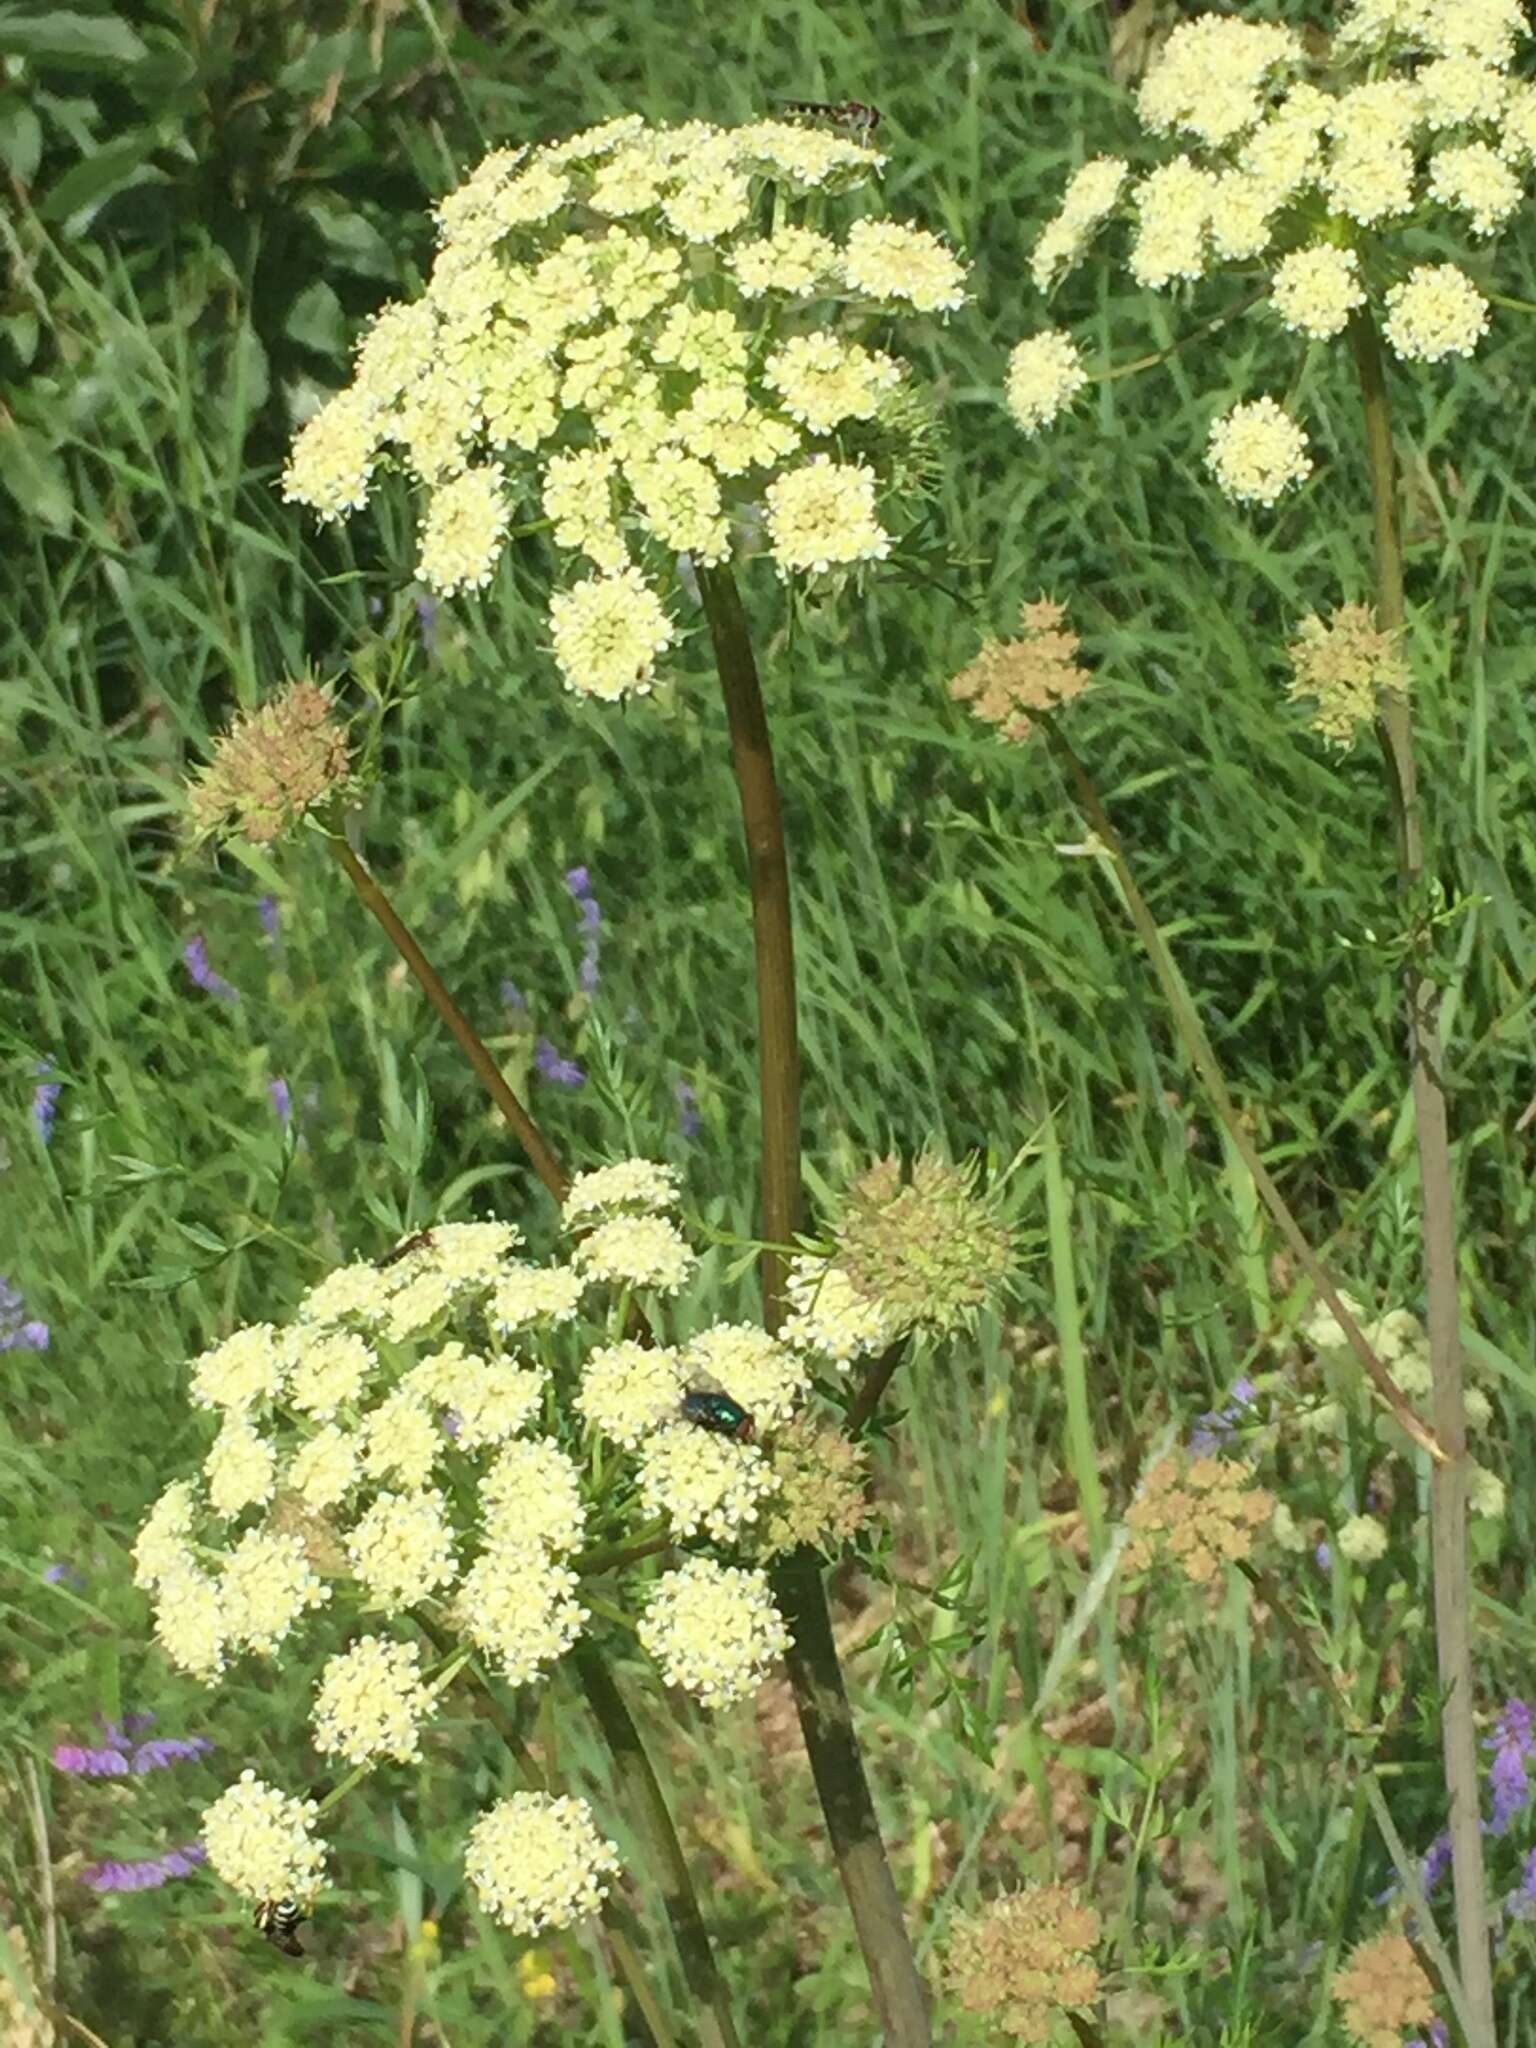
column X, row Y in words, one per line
column 1202, row 1057
column 474, row 1048
column 648, row 1806
column 772, row 928
column 821, row 1698
column 1449, row 1476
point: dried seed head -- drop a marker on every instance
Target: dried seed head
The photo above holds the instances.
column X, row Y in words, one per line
column 1382, row 1989
column 820, row 1478
column 1027, row 1957
column 931, row 1250
column 272, row 766
column 1009, row 679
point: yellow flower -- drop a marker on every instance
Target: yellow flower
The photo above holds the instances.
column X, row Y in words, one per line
column 1256, row 451
column 371, row 1702
column 887, row 260
column 262, row 1843
column 702, row 1481
column 637, row 1251
column 1210, row 75
column 763, row 1374
column 629, row 1389
column 822, row 516
column 1477, row 182
column 331, row 465
column 794, row 260
column 538, row 1863
column 1045, row 373
column 240, row 1468
column 628, row 1184
column 519, row 1606
column 713, row 1629
column 1436, row 312
column 461, row 537
column 402, row 1549
column 607, row 632
column 1173, row 206
column 266, row 1584
column 823, row 381
column 531, row 1498
column 1317, row 288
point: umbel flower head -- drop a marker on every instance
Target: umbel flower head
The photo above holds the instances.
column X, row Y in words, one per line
column 1011, row 679
column 1340, row 665
column 1200, row 1511
column 424, row 1446
column 273, row 765
column 928, row 1248
column 647, row 337
column 1381, row 1990
column 1331, row 178
column 1026, row 1959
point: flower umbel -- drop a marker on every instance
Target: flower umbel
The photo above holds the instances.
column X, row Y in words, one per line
column 538, row 1863
column 1011, row 679
column 1381, row 1990
column 606, row 333
column 1027, row 1958
column 272, row 766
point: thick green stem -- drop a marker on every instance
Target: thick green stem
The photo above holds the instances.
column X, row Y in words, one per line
column 1202, row 1057
column 826, row 1721
column 821, row 1699
column 526, row 1131
column 648, row 1807
column 778, row 1054
column 1448, row 1479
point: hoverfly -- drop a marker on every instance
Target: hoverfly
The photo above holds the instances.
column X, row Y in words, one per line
column 278, row 1921
column 402, row 1250
column 857, row 117
column 714, row 1410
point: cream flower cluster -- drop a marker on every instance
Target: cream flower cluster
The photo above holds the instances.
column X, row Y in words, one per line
column 609, row 341
column 1316, row 170
column 434, row 1438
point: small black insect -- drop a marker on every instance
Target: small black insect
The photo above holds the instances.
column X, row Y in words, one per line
column 713, row 1410
column 857, row 116
column 410, row 1244
column 279, row 1921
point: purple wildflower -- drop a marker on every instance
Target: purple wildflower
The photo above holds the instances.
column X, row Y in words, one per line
column 426, row 620
column 271, row 916
column 195, row 954
column 282, row 1099
column 1513, row 1743
column 62, row 1573
column 170, row 1749
column 1439, row 2036
column 1437, row 1862
column 689, row 1122
column 144, row 1873
column 18, row 1331
column 1324, row 1556
column 45, row 1101
column 513, row 996
column 567, row 1073
column 579, row 882
column 1217, row 1427
column 1522, row 1901
column 90, row 1763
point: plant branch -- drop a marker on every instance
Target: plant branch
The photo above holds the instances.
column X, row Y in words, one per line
column 826, row 1721
column 648, row 1806
column 1203, row 1058
column 821, row 1699
column 772, row 931
column 1448, row 1479
column 524, row 1129
column 877, row 1377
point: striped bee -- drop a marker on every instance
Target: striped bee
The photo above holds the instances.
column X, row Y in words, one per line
column 279, row 1920
column 857, row 117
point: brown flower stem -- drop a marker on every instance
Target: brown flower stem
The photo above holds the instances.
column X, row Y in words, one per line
column 778, row 1058
column 826, row 1721
column 1085, row 2030
column 1439, row 1964
column 1448, row 1478
column 815, row 1675
column 648, row 1806
column 524, row 1129
column 1203, row 1058
column 876, row 1379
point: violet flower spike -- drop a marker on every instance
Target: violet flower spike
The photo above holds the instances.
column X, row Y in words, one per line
column 1513, row 1743
column 282, row 1099
column 202, row 973
column 45, row 1101
column 689, row 1122
column 565, row 1073
column 270, row 913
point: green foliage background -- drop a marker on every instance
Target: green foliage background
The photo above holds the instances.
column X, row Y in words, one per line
column 201, row 212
